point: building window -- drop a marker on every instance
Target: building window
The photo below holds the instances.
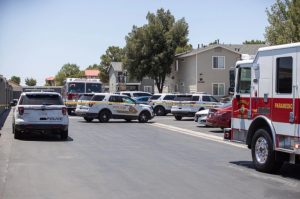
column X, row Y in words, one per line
column 176, row 65
column 284, row 74
column 148, row 89
column 218, row 62
column 218, row 89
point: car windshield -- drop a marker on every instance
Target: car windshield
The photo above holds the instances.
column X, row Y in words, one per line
column 41, row 99
column 86, row 97
column 76, row 88
column 141, row 94
column 155, row 97
column 228, row 104
column 93, row 88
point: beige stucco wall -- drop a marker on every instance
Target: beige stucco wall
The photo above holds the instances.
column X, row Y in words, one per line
column 211, row 75
column 187, row 73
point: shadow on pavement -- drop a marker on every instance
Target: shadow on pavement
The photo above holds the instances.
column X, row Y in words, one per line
column 116, row 122
column 44, row 137
column 287, row 171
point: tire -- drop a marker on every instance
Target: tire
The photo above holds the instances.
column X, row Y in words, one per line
column 64, row 135
column 263, row 155
column 104, row 116
column 160, row 111
column 17, row 134
column 88, row 119
column 177, row 117
column 69, row 112
column 128, row 120
column 144, row 117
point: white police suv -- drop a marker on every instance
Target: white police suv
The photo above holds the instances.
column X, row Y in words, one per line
column 104, row 106
column 44, row 112
column 188, row 105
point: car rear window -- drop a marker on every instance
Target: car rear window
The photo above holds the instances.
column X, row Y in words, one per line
column 98, row 97
column 85, row 97
column 41, row 99
column 155, row 97
column 183, row 98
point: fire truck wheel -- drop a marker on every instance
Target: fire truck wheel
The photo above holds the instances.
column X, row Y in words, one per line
column 104, row 116
column 263, row 155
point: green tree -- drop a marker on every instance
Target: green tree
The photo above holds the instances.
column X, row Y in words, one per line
column 284, row 20
column 30, row 82
column 150, row 49
column 67, row 71
column 185, row 48
column 112, row 54
column 254, row 42
column 16, row 79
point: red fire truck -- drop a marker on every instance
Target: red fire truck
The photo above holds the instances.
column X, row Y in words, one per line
column 266, row 106
column 74, row 87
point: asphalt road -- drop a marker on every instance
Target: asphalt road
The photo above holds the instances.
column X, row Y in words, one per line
column 119, row 160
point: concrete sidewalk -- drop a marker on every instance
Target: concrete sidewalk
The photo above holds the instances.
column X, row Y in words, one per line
column 3, row 117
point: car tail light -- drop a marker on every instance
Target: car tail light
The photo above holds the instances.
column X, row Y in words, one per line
column 64, row 111
column 21, row 110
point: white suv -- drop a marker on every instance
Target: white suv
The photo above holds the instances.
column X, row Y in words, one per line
column 42, row 112
column 162, row 103
column 196, row 102
column 104, row 106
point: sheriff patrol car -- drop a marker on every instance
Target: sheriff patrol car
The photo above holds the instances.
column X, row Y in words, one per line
column 104, row 106
column 40, row 111
column 193, row 103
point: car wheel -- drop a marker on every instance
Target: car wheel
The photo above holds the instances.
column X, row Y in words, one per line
column 70, row 112
column 128, row 120
column 104, row 116
column 64, row 134
column 263, row 155
column 177, row 117
column 88, row 119
column 160, row 111
column 144, row 117
column 17, row 134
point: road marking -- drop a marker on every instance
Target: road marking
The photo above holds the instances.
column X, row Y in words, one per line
column 198, row 134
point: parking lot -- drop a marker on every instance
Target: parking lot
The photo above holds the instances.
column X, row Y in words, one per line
column 160, row 159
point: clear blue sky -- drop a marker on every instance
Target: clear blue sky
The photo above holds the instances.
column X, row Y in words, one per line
column 37, row 37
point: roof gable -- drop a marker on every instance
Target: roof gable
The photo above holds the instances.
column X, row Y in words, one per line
column 250, row 49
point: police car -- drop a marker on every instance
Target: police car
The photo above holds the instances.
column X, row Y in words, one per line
column 162, row 103
column 193, row 103
column 40, row 111
column 106, row 106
